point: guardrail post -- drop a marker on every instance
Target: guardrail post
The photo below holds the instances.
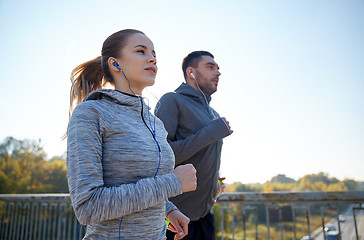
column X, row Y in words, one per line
column 232, row 221
column 222, row 222
column 354, row 215
column 267, row 220
column 323, row 221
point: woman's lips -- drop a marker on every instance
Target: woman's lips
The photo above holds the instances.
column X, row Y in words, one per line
column 151, row 69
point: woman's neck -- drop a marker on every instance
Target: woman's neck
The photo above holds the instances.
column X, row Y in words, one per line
column 124, row 87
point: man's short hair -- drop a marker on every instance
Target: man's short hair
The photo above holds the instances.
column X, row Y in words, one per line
column 192, row 60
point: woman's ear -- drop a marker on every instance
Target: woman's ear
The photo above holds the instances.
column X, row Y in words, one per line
column 113, row 64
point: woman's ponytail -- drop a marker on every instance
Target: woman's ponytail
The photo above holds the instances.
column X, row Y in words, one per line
column 85, row 78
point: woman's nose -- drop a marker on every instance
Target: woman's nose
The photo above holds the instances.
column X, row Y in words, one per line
column 152, row 60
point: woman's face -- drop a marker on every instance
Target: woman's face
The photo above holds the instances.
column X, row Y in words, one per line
column 138, row 62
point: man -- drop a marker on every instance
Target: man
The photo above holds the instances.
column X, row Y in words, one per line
column 195, row 133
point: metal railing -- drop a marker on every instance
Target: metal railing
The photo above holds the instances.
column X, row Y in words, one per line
column 50, row 216
column 284, row 206
column 38, row 217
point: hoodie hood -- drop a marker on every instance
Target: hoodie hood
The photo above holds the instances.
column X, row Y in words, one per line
column 114, row 96
column 187, row 90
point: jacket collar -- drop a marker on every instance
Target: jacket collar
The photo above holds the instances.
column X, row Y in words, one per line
column 187, row 90
column 114, row 96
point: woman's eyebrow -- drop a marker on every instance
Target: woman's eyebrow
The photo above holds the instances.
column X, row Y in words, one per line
column 142, row 46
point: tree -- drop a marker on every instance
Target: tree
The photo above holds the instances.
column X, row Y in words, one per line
column 25, row 169
column 320, row 177
column 339, row 186
column 4, row 183
column 351, row 185
column 281, row 178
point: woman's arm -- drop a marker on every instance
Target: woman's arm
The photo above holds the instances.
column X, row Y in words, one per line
column 91, row 200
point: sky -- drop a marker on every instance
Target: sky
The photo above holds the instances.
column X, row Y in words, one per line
column 292, row 83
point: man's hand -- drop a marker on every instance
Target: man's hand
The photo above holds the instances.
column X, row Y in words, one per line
column 178, row 224
column 221, row 186
column 226, row 122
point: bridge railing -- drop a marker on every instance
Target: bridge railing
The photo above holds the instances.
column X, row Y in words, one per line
column 50, row 216
column 282, row 207
column 38, row 217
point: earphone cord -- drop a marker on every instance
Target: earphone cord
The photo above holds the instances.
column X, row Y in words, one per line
column 153, row 130
column 157, row 106
column 150, row 123
column 121, row 220
column 207, row 103
column 128, row 83
column 78, row 231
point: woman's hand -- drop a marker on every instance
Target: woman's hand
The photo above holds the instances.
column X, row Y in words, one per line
column 186, row 174
column 178, row 224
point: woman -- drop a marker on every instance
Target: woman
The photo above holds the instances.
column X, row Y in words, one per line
column 119, row 163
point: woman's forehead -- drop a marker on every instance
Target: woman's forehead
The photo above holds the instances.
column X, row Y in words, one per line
column 139, row 39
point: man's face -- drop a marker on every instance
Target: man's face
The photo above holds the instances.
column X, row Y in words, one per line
column 207, row 74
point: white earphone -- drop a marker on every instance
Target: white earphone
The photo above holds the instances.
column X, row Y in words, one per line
column 192, row 75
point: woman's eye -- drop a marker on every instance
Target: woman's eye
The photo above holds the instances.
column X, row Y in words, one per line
column 141, row 51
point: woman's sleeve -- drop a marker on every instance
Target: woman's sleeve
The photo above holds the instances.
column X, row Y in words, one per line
column 91, row 200
column 170, row 207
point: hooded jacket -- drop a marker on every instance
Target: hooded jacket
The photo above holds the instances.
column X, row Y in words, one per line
column 112, row 160
column 195, row 135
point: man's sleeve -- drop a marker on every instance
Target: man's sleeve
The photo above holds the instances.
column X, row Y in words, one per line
column 169, row 112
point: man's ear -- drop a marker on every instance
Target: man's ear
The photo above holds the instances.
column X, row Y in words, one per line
column 190, row 73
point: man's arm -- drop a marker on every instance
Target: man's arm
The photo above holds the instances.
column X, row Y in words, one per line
column 169, row 111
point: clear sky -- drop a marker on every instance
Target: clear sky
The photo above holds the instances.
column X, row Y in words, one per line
column 292, row 83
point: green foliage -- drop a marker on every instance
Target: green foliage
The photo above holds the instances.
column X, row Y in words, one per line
column 310, row 182
column 24, row 169
column 281, row 178
column 352, row 185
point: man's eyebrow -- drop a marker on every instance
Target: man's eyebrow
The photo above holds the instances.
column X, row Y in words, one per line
column 213, row 64
column 142, row 46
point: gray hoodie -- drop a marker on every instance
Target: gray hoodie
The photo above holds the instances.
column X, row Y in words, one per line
column 112, row 158
column 195, row 138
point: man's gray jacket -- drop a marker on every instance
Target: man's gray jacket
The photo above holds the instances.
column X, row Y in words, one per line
column 195, row 136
